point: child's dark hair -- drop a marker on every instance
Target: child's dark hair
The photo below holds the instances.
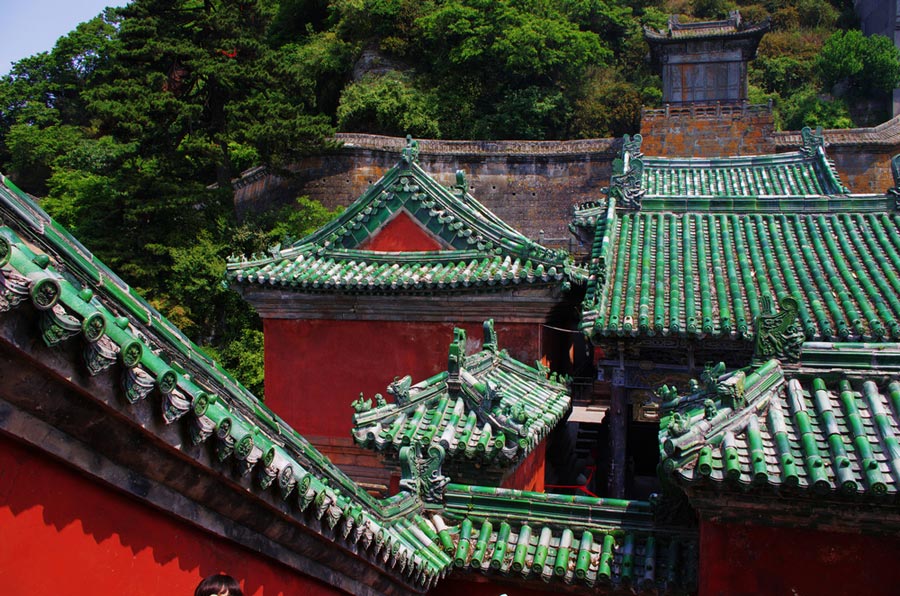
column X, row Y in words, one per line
column 219, row 585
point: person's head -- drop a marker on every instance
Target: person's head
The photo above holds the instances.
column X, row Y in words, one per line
column 219, row 585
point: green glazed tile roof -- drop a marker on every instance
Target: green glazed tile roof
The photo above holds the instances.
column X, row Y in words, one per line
column 816, row 430
column 742, row 183
column 71, row 297
column 489, row 408
column 483, row 254
column 802, row 181
column 691, row 248
column 77, row 299
column 703, row 274
column 587, row 541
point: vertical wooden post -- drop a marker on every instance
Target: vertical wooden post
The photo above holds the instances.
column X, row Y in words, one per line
column 618, row 424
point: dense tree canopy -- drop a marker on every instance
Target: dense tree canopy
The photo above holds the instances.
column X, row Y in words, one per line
column 133, row 125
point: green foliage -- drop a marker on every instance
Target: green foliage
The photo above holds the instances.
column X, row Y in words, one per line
column 611, row 106
column 807, row 108
column 816, row 77
column 245, row 357
column 781, row 74
column 864, row 64
column 125, row 124
column 387, row 104
column 712, row 9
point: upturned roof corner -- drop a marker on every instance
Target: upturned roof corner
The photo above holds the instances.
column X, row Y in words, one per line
column 487, row 407
column 823, row 428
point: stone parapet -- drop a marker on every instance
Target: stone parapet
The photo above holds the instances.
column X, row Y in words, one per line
column 503, row 148
column 709, row 130
column 861, row 155
column 532, row 185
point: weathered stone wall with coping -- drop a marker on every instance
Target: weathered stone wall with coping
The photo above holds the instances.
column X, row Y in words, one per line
column 715, row 130
column 533, row 185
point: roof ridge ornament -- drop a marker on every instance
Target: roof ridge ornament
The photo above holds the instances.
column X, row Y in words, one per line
column 400, row 390
column 490, row 336
column 456, row 360
column 778, row 334
column 628, row 171
column 812, row 141
column 462, row 184
column 632, row 145
column 410, row 153
column 420, row 474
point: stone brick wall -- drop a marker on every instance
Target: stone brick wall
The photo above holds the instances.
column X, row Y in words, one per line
column 862, row 156
column 532, row 185
column 707, row 131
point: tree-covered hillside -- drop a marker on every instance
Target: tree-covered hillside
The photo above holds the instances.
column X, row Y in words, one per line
column 131, row 127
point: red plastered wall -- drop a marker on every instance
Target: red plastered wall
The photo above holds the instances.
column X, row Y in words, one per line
column 63, row 533
column 316, row 368
column 738, row 560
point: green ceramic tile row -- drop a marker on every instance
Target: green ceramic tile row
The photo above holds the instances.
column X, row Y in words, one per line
column 700, row 274
column 572, row 539
column 121, row 335
column 801, row 181
column 481, row 251
column 449, row 409
column 378, row 273
column 819, row 430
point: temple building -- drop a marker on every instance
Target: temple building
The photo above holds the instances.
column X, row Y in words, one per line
column 743, row 314
column 698, row 393
column 402, row 266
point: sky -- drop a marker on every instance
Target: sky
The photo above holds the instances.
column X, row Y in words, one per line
column 32, row 26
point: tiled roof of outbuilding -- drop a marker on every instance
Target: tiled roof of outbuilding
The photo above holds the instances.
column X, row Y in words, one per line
column 692, row 247
column 817, row 430
column 488, row 407
column 484, row 254
column 587, row 541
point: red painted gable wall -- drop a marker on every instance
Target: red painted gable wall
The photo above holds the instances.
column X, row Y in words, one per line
column 61, row 533
column 738, row 560
column 401, row 233
column 316, row 368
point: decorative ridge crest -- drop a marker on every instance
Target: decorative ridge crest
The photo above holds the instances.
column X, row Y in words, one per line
column 628, row 171
column 778, row 334
column 812, row 141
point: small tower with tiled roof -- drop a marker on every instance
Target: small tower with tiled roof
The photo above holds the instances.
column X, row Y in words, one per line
column 705, row 62
column 704, row 79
